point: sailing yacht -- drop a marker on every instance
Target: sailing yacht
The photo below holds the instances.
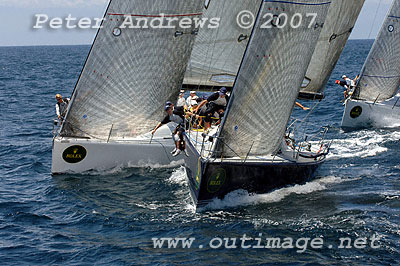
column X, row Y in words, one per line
column 120, row 95
column 249, row 150
column 374, row 102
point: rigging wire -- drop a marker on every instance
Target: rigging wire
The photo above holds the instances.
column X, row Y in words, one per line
column 373, row 23
column 304, row 122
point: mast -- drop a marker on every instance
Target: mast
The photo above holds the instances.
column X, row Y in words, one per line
column 133, row 68
column 380, row 77
column 340, row 21
column 269, row 78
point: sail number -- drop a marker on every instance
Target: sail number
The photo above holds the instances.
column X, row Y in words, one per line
column 282, row 20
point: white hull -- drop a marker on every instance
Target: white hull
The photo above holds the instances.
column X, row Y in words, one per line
column 99, row 155
column 363, row 114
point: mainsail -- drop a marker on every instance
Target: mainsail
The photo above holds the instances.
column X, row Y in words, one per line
column 269, row 79
column 131, row 72
column 380, row 78
column 217, row 52
column 341, row 18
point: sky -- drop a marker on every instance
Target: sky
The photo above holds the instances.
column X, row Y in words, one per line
column 17, row 18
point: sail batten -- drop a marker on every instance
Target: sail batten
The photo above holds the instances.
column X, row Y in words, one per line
column 380, row 77
column 131, row 71
column 269, row 80
column 340, row 21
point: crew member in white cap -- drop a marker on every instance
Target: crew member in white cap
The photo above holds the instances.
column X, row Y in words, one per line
column 181, row 100
column 192, row 98
column 350, row 83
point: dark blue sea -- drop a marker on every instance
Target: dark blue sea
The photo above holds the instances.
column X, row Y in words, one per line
column 110, row 218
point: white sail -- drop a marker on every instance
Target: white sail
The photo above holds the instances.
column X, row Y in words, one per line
column 341, row 18
column 131, row 72
column 217, row 52
column 269, row 79
column 380, row 78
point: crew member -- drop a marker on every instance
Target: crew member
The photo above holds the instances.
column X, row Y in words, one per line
column 176, row 116
column 215, row 103
column 181, row 100
column 351, row 83
column 61, row 107
column 345, row 86
column 191, row 99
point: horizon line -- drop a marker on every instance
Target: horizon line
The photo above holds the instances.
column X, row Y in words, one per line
column 89, row 44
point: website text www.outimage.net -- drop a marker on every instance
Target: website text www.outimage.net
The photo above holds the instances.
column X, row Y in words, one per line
column 245, row 242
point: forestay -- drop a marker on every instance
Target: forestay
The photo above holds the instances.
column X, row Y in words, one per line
column 341, row 18
column 380, row 78
column 269, row 79
column 217, row 52
column 131, row 72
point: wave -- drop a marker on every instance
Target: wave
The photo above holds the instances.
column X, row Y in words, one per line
column 243, row 198
column 178, row 176
column 362, row 144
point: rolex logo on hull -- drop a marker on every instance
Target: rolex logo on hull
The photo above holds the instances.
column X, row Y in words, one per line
column 74, row 154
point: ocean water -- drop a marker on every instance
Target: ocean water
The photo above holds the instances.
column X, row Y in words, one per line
column 110, row 218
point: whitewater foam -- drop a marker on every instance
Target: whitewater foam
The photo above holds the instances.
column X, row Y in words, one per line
column 178, row 176
column 362, row 144
column 243, row 198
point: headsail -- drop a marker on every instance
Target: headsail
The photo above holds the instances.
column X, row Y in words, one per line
column 380, row 78
column 217, row 52
column 131, row 72
column 341, row 18
column 269, row 79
